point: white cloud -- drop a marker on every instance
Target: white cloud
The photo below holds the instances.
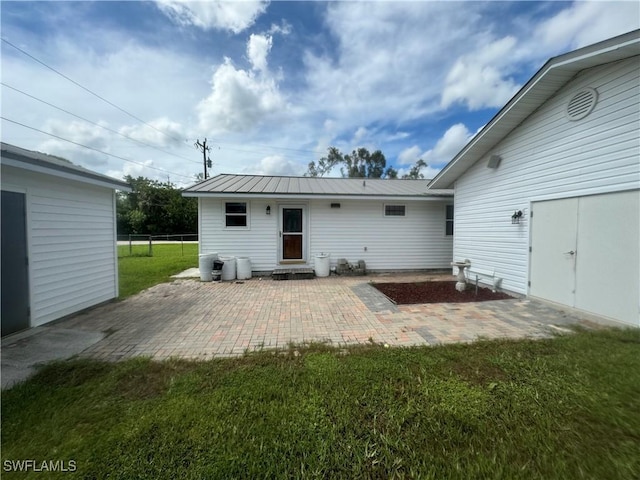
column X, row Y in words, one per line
column 584, row 23
column 479, row 79
column 135, row 170
column 234, row 16
column 241, row 100
column 161, row 133
column 360, row 135
column 276, row 165
column 284, row 28
column 410, row 155
column 444, row 150
column 258, row 48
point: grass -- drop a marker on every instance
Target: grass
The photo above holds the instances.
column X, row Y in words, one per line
column 140, row 271
column 562, row 408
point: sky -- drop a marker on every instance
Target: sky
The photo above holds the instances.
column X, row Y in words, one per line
column 272, row 85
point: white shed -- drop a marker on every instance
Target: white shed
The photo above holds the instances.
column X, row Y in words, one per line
column 547, row 194
column 286, row 221
column 59, row 251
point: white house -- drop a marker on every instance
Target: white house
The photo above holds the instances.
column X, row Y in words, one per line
column 565, row 152
column 284, row 221
column 58, row 238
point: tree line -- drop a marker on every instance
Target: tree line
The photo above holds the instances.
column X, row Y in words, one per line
column 154, row 207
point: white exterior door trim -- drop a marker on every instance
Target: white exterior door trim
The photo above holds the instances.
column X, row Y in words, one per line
column 304, row 233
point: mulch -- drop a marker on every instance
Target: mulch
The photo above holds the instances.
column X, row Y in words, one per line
column 436, row 292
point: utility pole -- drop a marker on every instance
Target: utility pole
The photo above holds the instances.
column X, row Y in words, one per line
column 204, row 148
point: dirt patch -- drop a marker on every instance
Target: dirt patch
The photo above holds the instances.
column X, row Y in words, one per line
column 436, row 292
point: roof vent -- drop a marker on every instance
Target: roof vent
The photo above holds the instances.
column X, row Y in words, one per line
column 582, row 104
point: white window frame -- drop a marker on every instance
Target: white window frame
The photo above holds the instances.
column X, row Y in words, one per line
column 448, row 220
column 246, row 214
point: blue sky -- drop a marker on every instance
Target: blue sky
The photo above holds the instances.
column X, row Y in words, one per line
column 273, row 85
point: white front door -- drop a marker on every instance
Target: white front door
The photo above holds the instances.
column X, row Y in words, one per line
column 554, row 233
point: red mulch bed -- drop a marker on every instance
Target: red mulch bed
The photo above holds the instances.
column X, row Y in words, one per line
column 436, row 292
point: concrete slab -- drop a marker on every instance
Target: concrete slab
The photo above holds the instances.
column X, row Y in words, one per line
column 188, row 273
column 24, row 351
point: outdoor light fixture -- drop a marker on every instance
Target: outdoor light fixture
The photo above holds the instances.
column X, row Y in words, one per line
column 515, row 218
column 268, row 209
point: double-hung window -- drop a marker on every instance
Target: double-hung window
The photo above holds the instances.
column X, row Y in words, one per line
column 235, row 214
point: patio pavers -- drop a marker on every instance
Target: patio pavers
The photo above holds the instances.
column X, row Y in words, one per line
column 193, row 319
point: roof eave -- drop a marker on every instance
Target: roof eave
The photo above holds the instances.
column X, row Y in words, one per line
column 25, row 162
column 301, row 196
column 568, row 65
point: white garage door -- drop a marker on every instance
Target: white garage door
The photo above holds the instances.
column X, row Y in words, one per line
column 585, row 253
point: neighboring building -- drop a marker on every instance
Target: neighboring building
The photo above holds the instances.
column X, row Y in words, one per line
column 59, row 251
column 284, row 221
column 565, row 151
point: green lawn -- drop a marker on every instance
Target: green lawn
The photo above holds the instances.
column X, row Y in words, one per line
column 140, row 271
column 562, row 408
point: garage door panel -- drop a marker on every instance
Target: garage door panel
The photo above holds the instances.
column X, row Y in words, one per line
column 607, row 280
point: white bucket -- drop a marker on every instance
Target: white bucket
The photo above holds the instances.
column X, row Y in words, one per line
column 243, row 266
column 205, row 265
column 322, row 265
column 229, row 268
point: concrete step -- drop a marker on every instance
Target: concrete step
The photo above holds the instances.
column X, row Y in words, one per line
column 293, row 274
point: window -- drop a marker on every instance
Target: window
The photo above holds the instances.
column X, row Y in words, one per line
column 235, row 214
column 395, row 210
column 449, row 221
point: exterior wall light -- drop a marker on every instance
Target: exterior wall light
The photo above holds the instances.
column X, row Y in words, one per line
column 515, row 218
column 268, row 209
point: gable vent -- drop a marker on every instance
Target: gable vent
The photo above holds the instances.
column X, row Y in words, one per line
column 582, row 104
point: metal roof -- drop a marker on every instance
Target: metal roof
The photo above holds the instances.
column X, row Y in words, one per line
column 43, row 163
column 553, row 75
column 274, row 186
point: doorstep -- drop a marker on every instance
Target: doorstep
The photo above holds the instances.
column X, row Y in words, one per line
column 293, row 274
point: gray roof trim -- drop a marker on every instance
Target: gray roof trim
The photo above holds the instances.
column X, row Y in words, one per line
column 227, row 185
column 48, row 164
column 553, row 75
column 425, row 197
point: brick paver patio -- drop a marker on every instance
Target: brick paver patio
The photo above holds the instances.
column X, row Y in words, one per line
column 192, row 319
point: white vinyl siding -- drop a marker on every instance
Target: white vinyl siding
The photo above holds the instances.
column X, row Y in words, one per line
column 259, row 242
column 71, row 244
column 415, row 241
column 548, row 157
column 412, row 242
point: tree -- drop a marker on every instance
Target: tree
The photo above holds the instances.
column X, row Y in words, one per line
column 154, row 207
column 415, row 173
column 360, row 163
column 325, row 164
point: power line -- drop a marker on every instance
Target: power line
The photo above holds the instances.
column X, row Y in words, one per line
column 91, row 92
column 94, row 149
column 182, row 141
column 97, row 124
